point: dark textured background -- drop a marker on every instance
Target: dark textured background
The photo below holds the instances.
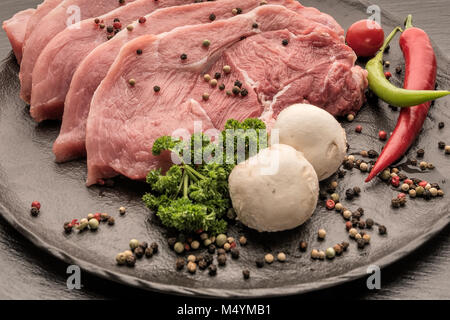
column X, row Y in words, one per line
column 27, row 273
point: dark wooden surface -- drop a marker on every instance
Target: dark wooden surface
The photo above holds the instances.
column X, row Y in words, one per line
column 27, row 273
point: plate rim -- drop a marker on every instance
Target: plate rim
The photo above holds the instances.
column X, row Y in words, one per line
column 296, row 289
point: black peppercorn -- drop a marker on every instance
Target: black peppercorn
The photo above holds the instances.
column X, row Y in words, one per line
column 244, row 92
column 441, row 145
column 260, row 262
column 221, row 251
column 156, row 89
column 183, row 56
column 208, row 258
column 361, row 224
column 255, row 26
column 427, row 195
column 323, row 195
column 34, row 211
column 171, row 242
column 202, row 264
column 212, row 17
column 246, row 274
column 369, row 223
column 372, row 154
column 348, row 165
column 237, row 83
column 285, row 42
column 236, row 90
column 345, row 245
column 396, row 203
column 68, row 227
column 217, row 75
column 420, row 153
column 382, row 230
column 222, row 87
column 131, row 260
column 212, row 270
column 180, row 263
column 211, row 248
column 143, row 245
column 154, row 246
column 235, row 253
column 349, row 194
column 441, row 125
column 222, row 260
column 139, row 252
column 341, row 173
column 148, row 252
column 398, row 70
column 361, row 243
column 303, row 246
column 139, row 51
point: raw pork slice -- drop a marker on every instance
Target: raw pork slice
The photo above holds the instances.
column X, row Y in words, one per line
column 71, row 141
column 125, row 120
column 58, row 61
column 41, row 11
column 67, row 13
column 15, row 29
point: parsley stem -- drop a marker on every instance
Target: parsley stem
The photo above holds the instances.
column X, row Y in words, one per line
column 195, row 172
column 185, row 184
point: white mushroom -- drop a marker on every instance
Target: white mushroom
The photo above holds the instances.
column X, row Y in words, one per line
column 315, row 133
column 275, row 190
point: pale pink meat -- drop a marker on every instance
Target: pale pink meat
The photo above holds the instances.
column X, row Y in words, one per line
column 71, row 141
column 125, row 120
column 15, row 29
column 67, row 13
column 58, row 61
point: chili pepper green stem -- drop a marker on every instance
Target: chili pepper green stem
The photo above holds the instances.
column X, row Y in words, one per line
column 185, row 185
column 386, row 91
column 408, row 22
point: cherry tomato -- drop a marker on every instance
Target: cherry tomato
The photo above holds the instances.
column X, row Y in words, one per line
column 365, row 37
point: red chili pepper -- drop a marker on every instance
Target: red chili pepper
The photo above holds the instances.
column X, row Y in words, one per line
column 420, row 74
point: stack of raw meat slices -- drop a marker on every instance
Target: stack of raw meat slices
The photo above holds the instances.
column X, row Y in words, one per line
column 121, row 73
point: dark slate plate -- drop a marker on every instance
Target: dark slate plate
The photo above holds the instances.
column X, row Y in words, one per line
column 27, row 172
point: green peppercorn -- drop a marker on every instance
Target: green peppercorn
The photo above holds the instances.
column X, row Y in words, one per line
column 221, row 239
column 192, row 267
column 281, row 257
column 134, row 244
column 335, row 197
column 206, row 43
column 93, row 224
column 330, row 253
column 178, row 247
column 243, row 240
column 268, row 258
column 207, row 242
column 121, row 258
column 195, row 245
column 226, row 69
column 84, row 223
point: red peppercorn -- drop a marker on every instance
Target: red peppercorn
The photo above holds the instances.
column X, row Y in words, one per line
column 98, row 216
column 74, row 222
column 199, row 231
column 187, row 247
column 97, row 21
column 401, row 195
column 348, row 225
column 388, row 75
column 358, row 129
column 142, row 20
column 395, row 181
column 330, row 204
column 117, row 25
column 36, row 204
column 408, row 181
column 233, row 245
column 423, row 184
column 382, row 135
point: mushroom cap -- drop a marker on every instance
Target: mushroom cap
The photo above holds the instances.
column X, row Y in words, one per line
column 316, row 133
column 275, row 190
